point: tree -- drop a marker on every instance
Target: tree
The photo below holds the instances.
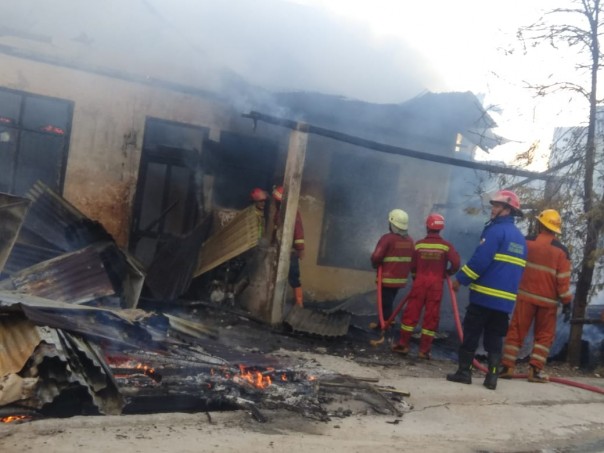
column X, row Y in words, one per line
column 578, row 27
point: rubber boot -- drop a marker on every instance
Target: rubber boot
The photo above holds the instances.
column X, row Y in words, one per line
column 425, row 346
column 490, row 380
column 464, row 370
column 299, row 296
column 537, row 375
column 507, row 372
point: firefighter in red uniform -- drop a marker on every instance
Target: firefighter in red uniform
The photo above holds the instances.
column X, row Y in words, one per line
column 259, row 197
column 393, row 252
column 433, row 259
column 297, row 248
column 546, row 280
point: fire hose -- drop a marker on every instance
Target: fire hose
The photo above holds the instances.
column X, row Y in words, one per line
column 384, row 324
column 482, row 368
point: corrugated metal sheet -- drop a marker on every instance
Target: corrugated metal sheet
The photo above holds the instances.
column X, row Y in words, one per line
column 318, row 322
column 18, row 339
column 59, row 361
column 75, row 277
column 12, row 213
column 89, row 322
column 56, row 221
column 240, row 235
column 54, row 227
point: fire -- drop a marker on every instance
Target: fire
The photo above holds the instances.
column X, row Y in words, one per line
column 14, row 418
column 256, row 378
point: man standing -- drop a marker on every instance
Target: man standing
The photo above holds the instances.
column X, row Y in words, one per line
column 297, row 254
column 433, row 258
column 259, row 197
column 546, row 281
column 393, row 252
column 493, row 274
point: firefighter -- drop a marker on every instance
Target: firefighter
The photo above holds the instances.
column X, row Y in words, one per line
column 259, row 197
column 493, row 274
column 297, row 248
column 433, row 259
column 393, row 252
column 545, row 282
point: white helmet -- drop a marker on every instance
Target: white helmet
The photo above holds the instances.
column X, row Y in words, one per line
column 399, row 219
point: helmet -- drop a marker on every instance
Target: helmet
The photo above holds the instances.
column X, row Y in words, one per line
column 550, row 219
column 435, row 222
column 258, row 194
column 399, row 219
column 278, row 193
column 508, row 198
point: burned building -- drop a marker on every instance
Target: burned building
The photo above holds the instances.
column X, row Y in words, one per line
column 158, row 149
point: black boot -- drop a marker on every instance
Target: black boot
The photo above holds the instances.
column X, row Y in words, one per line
column 490, row 380
column 464, row 370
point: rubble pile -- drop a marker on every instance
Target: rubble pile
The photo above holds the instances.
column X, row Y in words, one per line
column 72, row 341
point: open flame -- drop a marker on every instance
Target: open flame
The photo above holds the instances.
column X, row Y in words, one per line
column 258, row 379
column 15, row 418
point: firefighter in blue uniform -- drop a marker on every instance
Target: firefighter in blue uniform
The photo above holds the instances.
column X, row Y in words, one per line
column 493, row 274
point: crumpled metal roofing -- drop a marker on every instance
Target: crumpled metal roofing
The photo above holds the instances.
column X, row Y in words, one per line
column 317, row 322
column 59, row 361
column 76, row 277
column 12, row 212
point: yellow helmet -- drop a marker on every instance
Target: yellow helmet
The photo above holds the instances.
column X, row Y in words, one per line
column 550, row 219
column 399, row 219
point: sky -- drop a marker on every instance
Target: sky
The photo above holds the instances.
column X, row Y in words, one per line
column 466, row 44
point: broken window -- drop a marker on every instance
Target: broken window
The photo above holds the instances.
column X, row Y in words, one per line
column 34, row 139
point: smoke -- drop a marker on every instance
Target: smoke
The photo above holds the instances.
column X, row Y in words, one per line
column 271, row 44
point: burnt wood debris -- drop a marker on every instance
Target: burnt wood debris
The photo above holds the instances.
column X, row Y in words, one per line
column 74, row 340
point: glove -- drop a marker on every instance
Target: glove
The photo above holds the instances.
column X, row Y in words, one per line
column 566, row 312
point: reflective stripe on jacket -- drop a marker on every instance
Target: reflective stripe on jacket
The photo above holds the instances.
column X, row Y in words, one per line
column 298, row 242
column 546, row 278
column 431, row 258
column 495, row 269
column 393, row 252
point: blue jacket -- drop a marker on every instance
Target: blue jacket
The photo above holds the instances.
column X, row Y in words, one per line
column 496, row 267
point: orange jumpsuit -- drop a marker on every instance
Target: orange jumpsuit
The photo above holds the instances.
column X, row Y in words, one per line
column 546, row 280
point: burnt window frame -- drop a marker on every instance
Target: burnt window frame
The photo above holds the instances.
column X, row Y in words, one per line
column 19, row 128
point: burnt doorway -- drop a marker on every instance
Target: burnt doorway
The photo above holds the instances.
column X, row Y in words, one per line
column 238, row 163
column 34, row 140
column 168, row 199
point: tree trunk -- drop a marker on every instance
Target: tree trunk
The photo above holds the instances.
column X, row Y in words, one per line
column 593, row 223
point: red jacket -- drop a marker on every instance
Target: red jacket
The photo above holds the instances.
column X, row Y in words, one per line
column 546, row 277
column 431, row 257
column 298, row 243
column 393, row 252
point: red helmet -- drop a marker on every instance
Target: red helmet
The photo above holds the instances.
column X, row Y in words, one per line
column 258, row 194
column 435, row 222
column 278, row 193
column 508, row 198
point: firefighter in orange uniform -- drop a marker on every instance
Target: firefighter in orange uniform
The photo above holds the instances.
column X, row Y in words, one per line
column 433, row 258
column 297, row 248
column 546, row 280
column 393, row 252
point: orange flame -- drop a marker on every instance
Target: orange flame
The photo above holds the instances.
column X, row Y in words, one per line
column 14, row 418
column 256, row 378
